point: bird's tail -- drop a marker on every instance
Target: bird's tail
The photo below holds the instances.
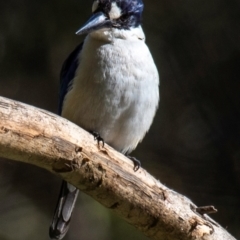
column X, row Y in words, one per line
column 63, row 212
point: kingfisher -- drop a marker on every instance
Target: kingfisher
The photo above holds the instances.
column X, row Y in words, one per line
column 109, row 87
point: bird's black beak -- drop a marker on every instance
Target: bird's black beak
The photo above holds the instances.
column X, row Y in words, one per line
column 97, row 21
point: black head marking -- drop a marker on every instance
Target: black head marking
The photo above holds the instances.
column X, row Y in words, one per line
column 130, row 12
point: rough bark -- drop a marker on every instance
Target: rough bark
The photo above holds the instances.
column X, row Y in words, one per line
column 38, row 137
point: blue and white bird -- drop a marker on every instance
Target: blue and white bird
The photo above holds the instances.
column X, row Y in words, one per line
column 109, row 85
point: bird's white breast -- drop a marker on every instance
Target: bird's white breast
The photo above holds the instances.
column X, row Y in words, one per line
column 115, row 89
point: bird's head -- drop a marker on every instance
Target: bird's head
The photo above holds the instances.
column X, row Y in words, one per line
column 120, row 14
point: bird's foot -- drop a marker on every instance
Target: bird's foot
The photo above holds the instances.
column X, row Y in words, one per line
column 97, row 137
column 136, row 162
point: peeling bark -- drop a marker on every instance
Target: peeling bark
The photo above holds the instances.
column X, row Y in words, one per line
column 41, row 138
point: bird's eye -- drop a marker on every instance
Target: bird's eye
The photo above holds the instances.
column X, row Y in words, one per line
column 95, row 5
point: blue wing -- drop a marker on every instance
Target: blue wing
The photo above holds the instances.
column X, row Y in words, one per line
column 68, row 194
column 67, row 74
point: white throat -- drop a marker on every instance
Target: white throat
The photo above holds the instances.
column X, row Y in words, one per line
column 111, row 34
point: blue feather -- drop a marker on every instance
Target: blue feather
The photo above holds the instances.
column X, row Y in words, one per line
column 67, row 74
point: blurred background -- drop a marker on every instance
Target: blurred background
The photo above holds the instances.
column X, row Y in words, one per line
column 193, row 146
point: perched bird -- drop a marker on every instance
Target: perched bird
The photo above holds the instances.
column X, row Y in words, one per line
column 109, row 86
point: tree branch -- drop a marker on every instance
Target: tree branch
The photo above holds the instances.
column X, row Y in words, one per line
column 38, row 137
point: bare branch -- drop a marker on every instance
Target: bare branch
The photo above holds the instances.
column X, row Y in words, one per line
column 38, row 137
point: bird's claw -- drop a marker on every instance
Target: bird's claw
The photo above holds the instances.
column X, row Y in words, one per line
column 136, row 162
column 97, row 137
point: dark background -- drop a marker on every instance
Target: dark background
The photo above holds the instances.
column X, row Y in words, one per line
column 193, row 146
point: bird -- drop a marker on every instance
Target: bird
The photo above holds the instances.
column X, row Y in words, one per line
column 109, row 87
